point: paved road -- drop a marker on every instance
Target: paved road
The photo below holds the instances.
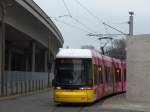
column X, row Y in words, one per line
column 43, row 103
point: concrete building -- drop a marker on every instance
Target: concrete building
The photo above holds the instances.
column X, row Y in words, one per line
column 28, row 41
column 138, row 68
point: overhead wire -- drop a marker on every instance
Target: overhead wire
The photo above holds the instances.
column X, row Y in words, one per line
column 121, row 23
column 73, row 18
column 79, row 22
column 90, row 12
column 93, row 15
column 73, row 26
column 66, row 7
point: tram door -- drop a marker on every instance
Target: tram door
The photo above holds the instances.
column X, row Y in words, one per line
column 109, row 80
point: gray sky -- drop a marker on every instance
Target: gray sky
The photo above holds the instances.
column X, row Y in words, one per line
column 113, row 12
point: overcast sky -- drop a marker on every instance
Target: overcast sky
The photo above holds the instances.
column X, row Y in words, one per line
column 113, row 12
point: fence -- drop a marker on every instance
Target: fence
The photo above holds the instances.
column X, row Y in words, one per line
column 18, row 82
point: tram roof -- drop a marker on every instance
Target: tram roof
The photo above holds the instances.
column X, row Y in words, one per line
column 74, row 53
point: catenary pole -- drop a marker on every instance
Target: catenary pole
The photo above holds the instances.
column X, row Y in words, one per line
column 131, row 23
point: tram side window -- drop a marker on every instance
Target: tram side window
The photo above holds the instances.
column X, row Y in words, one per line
column 89, row 72
column 108, row 75
column 125, row 75
column 100, row 70
column 96, row 75
column 101, row 78
column 118, row 75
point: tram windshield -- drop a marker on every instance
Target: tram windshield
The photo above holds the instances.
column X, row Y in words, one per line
column 73, row 72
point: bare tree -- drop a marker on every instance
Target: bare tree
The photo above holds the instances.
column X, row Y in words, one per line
column 87, row 47
column 118, row 49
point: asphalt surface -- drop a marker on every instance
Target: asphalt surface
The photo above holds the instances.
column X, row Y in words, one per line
column 43, row 102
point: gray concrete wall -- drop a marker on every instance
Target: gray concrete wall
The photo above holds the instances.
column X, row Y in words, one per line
column 138, row 68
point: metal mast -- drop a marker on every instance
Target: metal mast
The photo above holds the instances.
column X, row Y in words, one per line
column 131, row 23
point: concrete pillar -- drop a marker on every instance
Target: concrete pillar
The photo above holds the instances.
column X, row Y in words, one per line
column 46, row 61
column 138, row 68
column 9, row 59
column 27, row 63
column 0, row 55
column 33, row 57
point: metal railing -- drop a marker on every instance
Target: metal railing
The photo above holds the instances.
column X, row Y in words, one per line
column 18, row 82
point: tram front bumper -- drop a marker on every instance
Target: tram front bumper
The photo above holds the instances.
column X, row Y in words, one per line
column 73, row 96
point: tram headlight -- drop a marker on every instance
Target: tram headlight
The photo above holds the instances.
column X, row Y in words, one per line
column 58, row 87
column 99, row 69
column 85, row 88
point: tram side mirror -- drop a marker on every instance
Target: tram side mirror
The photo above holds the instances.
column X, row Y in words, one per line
column 53, row 82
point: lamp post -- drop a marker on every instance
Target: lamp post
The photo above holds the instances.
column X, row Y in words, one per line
column 3, row 11
column 131, row 23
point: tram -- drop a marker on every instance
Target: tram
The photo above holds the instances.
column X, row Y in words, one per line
column 84, row 76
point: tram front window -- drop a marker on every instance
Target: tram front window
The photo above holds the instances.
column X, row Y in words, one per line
column 73, row 72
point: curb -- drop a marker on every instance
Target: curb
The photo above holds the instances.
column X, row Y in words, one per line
column 13, row 97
